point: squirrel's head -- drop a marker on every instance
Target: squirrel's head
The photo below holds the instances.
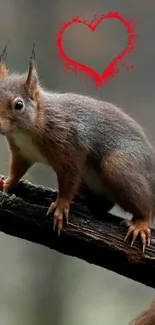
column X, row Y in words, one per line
column 19, row 97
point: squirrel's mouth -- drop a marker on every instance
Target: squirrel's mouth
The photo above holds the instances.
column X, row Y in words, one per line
column 4, row 132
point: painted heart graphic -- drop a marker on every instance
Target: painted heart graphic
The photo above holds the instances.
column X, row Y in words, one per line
column 112, row 69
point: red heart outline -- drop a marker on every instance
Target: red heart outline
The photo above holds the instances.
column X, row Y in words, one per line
column 111, row 70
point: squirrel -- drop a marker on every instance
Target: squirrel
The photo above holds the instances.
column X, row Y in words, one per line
column 93, row 146
column 147, row 317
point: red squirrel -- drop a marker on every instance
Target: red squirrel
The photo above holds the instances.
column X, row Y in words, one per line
column 147, row 317
column 93, row 146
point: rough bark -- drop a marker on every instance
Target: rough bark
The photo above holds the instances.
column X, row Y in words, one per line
column 91, row 235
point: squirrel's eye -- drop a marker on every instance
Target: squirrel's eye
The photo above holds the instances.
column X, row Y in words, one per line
column 19, row 105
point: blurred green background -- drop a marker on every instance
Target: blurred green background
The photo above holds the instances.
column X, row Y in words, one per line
column 39, row 286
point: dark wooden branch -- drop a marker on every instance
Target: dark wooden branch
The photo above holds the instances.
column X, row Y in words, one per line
column 95, row 237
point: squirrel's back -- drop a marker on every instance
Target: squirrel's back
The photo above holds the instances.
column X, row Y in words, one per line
column 97, row 124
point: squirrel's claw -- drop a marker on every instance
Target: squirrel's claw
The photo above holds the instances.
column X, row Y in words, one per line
column 60, row 210
column 52, row 207
column 139, row 228
column 58, row 221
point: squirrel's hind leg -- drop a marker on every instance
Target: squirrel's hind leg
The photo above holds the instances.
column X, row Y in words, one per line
column 131, row 192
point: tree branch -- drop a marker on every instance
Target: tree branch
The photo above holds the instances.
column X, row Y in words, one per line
column 95, row 237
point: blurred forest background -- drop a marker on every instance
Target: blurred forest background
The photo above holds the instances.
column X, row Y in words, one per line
column 39, row 286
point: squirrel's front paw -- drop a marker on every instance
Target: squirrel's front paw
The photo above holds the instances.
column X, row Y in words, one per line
column 7, row 185
column 141, row 228
column 61, row 209
column 4, row 185
column 1, row 184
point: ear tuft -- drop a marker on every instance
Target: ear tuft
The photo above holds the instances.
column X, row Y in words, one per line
column 32, row 77
column 3, row 69
column 33, row 52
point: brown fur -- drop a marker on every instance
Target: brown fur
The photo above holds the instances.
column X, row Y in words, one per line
column 3, row 71
column 147, row 317
column 115, row 167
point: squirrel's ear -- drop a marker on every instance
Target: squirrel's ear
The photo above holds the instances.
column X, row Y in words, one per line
column 3, row 69
column 32, row 77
